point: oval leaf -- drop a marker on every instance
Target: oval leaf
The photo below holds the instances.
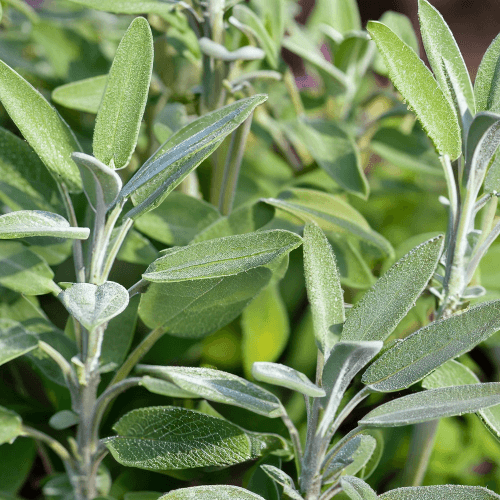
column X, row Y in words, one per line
column 450, row 491
column 24, row 223
column 211, row 493
column 82, row 95
column 93, row 305
column 10, row 426
column 357, row 489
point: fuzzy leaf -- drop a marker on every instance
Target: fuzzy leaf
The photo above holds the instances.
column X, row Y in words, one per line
column 422, row 93
column 124, row 100
column 220, row 387
column 284, row 480
column 163, row 437
column 93, row 305
column 487, row 84
column 82, row 95
column 15, row 340
column 433, row 404
column 357, row 489
column 411, row 359
column 440, row 492
column 10, row 426
column 63, row 420
column 211, row 493
column 380, row 310
column 164, row 388
column 343, row 457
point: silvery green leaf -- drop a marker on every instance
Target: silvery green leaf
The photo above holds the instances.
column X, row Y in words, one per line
column 219, row 386
column 93, row 305
column 221, row 257
column 183, row 152
column 11, row 426
column 82, row 95
column 164, row 388
column 100, row 183
column 163, row 437
column 218, row 51
column 411, row 359
column 445, row 491
column 433, row 404
column 344, row 363
column 120, row 112
column 487, row 83
column 425, row 97
column 284, row 479
column 47, row 133
column 25, row 223
column 382, row 307
column 63, row 420
column 357, row 489
column 323, row 288
column 284, row 376
column 129, row 6
column 211, row 493
column 15, row 340
column 440, row 44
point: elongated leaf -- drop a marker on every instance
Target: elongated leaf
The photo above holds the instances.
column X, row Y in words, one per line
column 124, row 100
column 10, row 426
column 380, row 310
column 93, row 305
column 211, row 493
column 221, row 257
column 440, row 44
column 63, row 420
column 323, row 288
column 183, row 152
column 82, row 95
column 487, row 84
column 220, row 387
column 24, row 223
column 422, row 93
column 129, row 6
column 284, row 479
column 451, row 491
column 284, row 376
column 164, row 388
column 23, row 271
column 357, row 489
column 417, row 355
column 163, row 437
column 41, row 126
column 100, row 183
column 433, row 404
column 15, row 340
column 219, row 51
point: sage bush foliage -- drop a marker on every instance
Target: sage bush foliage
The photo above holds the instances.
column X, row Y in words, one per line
column 216, row 286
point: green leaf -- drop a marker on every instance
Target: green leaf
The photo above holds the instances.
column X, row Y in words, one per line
column 411, row 359
column 178, row 219
column 221, row 257
column 450, row 491
column 100, row 183
column 422, row 93
column 23, row 271
column 284, row 376
column 362, row 455
column 492, row 181
column 183, row 152
column 11, row 426
column 41, row 125
column 63, row 420
column 163, row 437
column 16, row 461
column 380, row 310
column 129, row 6
column 342, row 15
column 24, row 223
column 357, row 489
column 440, row 44
column 323, row 288
column 211, row 493
column 487, row 83
column 434, row 404
column 136, row 248
column 219, row 386
column 336, row 153
column 25, row 183
column 120, row 112
column 82, row 95
column 15, row 340
column 164, row 388
column 284, row 480
column 346, row 455
column 265, row 328
column 332, row 214
column 93, row 305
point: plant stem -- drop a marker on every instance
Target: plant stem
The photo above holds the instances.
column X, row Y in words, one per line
column 53, row 444
column 331, row 492
column 294, row 435
column 113, row 252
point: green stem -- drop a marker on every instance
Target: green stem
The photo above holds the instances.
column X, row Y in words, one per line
column 331, row 492
column 294, row 435
column 113, row 252
column 53, row 444
column 291, row 86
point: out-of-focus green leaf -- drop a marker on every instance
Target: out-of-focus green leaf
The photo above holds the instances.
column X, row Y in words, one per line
column 451, row 491
column 63, row 420
column 136, row 248
column 211, row 493
column 16, row 460
column 129, row 6
column 82, row 95
column 487, row 83
column 10, row 425
column 342, row 15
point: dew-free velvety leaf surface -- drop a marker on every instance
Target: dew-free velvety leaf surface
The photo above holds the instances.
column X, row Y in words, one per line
column 411, row 359
column 487, row 83
column 441, row 492
column 420, row 90
column 15, row 340
column 382, row 307
column 120, row 113
column 323, row 288
column 93, row 305
column 357, row 489
column 219, row 386
column 433, row 404
column 10, row 425
column 41, row 125
column 82, row 95
column 211, row 493
column 24, row 223
column 163, row 437
column 221, row 257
